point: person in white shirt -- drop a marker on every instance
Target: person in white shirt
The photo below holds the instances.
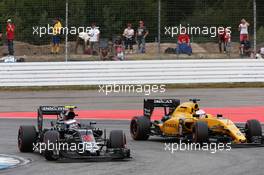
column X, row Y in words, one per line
column 262, row 51
column 260, row 54
column 243, row 28
column 94, row 35
column 228, row 40
column 129, row 36
column 82, row 39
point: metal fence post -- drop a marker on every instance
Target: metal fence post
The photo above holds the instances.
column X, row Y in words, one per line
column 159, row 9
column 66, row 25
column 255, row 25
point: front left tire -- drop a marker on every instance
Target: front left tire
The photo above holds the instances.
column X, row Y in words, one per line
column 27, row 136
column 117, row 139
column 200, row 132
column 253, row 130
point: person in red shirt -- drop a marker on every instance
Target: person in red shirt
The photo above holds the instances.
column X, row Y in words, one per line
column 184, row 38
column 1, row 35
column 221, row 40
column 184, row 44
column 10, row 35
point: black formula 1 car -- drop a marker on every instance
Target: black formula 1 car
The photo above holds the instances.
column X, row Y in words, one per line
column 69, row 139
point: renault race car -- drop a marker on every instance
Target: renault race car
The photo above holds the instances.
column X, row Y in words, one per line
column 187, row 121
column 66, row 138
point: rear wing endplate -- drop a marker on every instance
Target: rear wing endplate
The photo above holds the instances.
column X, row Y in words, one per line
column 48, row 110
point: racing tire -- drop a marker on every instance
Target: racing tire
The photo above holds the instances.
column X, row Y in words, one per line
column 200, row 132
column 117, row 139
column 27, row 136
column 51, row 137
column 253, row 128
column 140, row 128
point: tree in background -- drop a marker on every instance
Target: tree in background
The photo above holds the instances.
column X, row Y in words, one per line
column 113, row 15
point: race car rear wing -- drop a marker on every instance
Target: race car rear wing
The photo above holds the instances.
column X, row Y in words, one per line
column 48, row 110
column 150, row 104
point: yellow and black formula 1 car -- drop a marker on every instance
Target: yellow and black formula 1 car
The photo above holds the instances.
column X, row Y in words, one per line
column 187, row 121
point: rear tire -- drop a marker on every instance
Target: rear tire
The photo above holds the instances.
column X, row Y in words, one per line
column 140, row 128
column 27, row 136
column 253, row 129
column 51, row 137
column 200, row 132
column 117, row 139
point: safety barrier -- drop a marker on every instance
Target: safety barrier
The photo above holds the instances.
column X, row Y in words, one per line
column 131, row 72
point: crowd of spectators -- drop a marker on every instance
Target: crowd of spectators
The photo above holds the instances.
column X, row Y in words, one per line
column 119, row 47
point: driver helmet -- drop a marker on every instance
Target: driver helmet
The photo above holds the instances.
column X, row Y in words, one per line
column 201, row 113
column 70, row 114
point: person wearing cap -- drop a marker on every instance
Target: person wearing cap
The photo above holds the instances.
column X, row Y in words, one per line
column 10, row 35
column 141, row 34
column 94, row 35
column 55, row 49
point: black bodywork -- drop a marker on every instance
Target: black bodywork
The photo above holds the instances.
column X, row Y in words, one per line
column 151, row 104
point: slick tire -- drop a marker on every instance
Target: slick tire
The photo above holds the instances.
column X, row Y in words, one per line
column 50, row 137
column 140, row 128
column 200, row 132
column 27, row 136
column 253, row 128
column 117, row 139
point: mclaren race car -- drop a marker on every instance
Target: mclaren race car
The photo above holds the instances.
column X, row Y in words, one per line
column 187, row 121
column 66, row 138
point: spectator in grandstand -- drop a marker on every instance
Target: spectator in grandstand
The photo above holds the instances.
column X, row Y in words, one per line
column 119, row 49
column 245, row 48
column 141, row 34
column 184, row 44
column 222, row 40
column 82, row 39
column 55, row 48
column 228, row 40
column 1, row 35
column 94, row 34
column 243, row 28
column 10, row 35
column 260, row 53
column 108, row 53
column 129, row 34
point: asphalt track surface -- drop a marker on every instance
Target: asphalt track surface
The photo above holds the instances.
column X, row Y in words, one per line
column 149, row 157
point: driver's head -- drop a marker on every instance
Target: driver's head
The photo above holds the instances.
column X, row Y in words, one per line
column 200, row 112
column 70, row 114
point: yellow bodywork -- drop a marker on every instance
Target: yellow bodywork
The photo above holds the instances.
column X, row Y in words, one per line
column 186, row 113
